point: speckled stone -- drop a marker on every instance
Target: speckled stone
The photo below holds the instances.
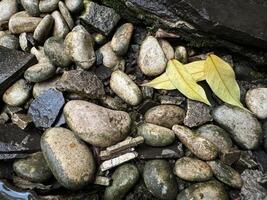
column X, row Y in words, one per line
column 71, row 161
column 155, row 135
column 226, row 174
column 46, row 107
column 122, row 85
column 191, row 169
column 165, row 115
column 199, row 146
column 256, row 101
column 160, row 180
column 244, row 128
column 124, row 178
column 18, row 93
column 9, row 41
column 33, row 168
column 80, row 82
column 151, row 60
column 210, row 190
column 97, row 125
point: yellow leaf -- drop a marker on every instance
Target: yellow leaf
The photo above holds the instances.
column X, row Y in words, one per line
column 221, row 78
column 196, row 69
column 161, row 82
column 184, row 82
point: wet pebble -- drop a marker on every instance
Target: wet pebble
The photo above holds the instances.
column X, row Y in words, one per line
column 66, row 14
column 218, row 136
column 9, row 41
column 165, row 115
column 83, row 83
column 45, row 108
column 38, row 88
column 226, row 174
column 160, row 180
column 167, row 49
column 61, row 28
column 23, row 22
column 97, row 125
column 40, row 72
column 26, row 41
column 47, row 6
column 80, row 47
column 199, row 146
column 109, row 58
column 192, row 169
column 18, row 93
column 244, row 128
column 121, row 39
column 43, row 29
column 123, row 179
column 33, row 168
column 74, row 5
column 181, row 54
column 8, row 8
column 31, row 6
column 122, row 85
column 151, row 60
column 155, row 135
column 54, row 49
column 210, row 190
column 256, row 101
column 71, row 161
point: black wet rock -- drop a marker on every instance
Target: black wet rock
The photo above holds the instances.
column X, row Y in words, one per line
column 16, row 143
column 197, row 114
column 46, row 107
column 81, row 82
column 252, row 189
column 12, row 65
column 100, row 18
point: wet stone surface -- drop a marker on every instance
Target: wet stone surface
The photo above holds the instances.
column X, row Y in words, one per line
column 45, row 108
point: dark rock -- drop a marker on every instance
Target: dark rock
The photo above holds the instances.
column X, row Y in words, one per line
column 45, row 108
column 12, row 66
column 197, row 114
column 83, row 83
column 100, row 18
column 146, row 105
column 264, row 130
column 208, row 19
column 261, row 159
column 15, row 142
column 172, row 151
column 252, row 190
column 246, row 161
column 102, row 72
column 231, row 156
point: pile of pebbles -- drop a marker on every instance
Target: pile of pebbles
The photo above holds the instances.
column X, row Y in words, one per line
column 106, row 134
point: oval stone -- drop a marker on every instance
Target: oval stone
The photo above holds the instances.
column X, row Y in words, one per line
column 151, row 60
column 61, row 28
column 8, row 8
column 155, row 135
column 211, row 190
column 165, row 115
column 167, row 49
column 125, row 88
column 38, row 88
column 97, row 125
column 191, row 169
column 31, row 6
column 199, row 146
column 33, row 168
column 70, row 160
column 244, row 128
column 18, row 93
column 226, row 174
column 110, row 59
column 79, row 46
column 123, row 179
column 160, row 180
column 256, row 100
column 218, row 136
column 43, row 29
column 121, row 39
column 40, row 72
